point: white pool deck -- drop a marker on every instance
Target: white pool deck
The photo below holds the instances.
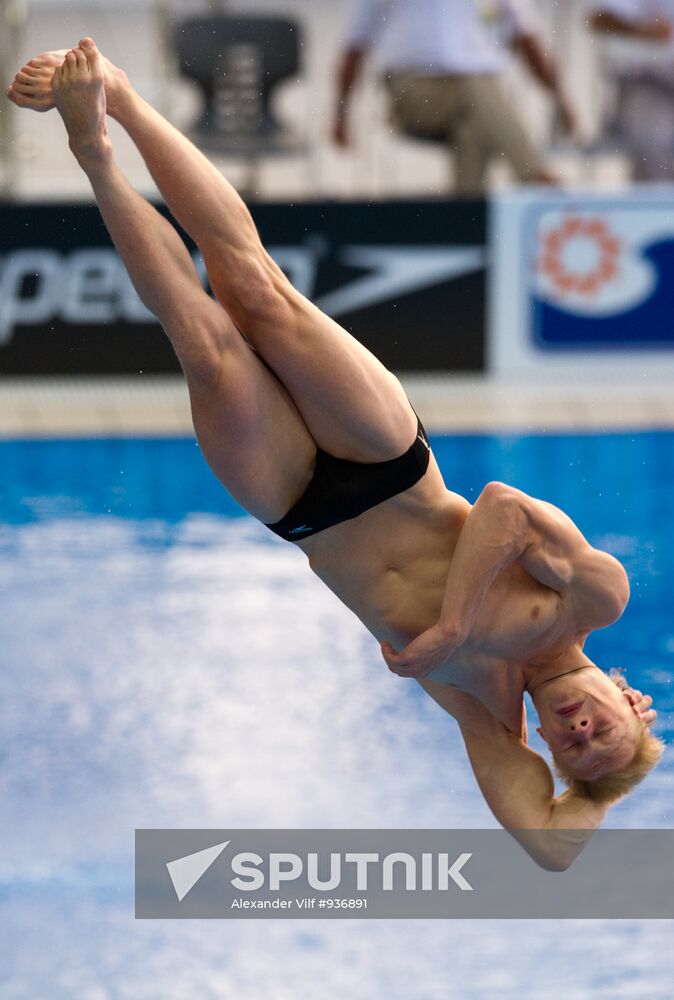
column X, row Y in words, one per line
column 159, row 406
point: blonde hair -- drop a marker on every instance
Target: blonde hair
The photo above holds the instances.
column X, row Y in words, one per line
column 612, row 787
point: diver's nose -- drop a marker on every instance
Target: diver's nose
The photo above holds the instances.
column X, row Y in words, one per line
column 582, row 726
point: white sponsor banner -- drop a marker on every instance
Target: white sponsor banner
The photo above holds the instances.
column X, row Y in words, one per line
column 582, row 283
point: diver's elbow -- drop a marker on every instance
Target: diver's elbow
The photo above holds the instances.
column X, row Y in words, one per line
column 555, row 863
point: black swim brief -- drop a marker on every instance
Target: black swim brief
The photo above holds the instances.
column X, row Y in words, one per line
column 340, row 489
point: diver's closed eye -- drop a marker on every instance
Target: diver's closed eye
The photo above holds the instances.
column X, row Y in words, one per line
column 576, row 743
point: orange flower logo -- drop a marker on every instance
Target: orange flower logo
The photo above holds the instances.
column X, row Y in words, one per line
column 599, row 250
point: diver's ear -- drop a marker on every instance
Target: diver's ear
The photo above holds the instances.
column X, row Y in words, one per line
column 541, row 734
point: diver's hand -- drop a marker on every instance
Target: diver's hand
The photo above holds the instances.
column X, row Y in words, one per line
column 429, row 650
column 642, row 705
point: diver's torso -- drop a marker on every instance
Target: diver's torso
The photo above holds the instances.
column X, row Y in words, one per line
column 390, row 566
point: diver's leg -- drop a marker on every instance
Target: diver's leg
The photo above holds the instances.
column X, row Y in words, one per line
column 352, row 405
column 248, row 427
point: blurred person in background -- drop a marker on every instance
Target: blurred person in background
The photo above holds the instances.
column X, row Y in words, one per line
column 640, row 61
column 442, row 62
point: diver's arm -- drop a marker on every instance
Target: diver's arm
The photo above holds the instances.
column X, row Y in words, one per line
column 593, row 585
column 518, row 788
column 505, row 525
column 512, row 525
column 517, row 784
column 494, row 535
column 572, row 822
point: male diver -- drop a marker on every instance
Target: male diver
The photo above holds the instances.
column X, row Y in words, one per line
column 314, row 437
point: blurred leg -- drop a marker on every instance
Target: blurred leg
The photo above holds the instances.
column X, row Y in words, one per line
column 470, row 114
column 488, row 129
column 471, row 155
column 424, row 106
column 647, row 123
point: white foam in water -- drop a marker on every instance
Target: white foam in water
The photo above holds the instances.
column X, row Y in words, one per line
column 213, row 682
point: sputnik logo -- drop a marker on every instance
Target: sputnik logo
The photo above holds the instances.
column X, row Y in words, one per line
column 185, row 872
column 580, row 255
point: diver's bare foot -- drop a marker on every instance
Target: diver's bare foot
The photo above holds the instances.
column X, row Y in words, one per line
column 32, row 86
column 79, row 96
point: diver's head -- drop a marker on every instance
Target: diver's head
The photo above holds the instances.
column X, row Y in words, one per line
column 594, row 727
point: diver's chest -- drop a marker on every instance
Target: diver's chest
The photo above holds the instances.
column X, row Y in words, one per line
column 518, row 617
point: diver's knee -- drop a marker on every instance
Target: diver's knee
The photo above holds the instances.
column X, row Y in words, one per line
column 250, row 284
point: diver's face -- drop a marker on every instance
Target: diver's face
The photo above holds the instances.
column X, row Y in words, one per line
column 588, row 724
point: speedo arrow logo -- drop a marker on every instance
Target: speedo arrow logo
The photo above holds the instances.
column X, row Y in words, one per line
column 186, row 872
column 399, row 271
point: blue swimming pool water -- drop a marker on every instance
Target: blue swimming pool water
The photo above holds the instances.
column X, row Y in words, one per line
column 157, row 672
